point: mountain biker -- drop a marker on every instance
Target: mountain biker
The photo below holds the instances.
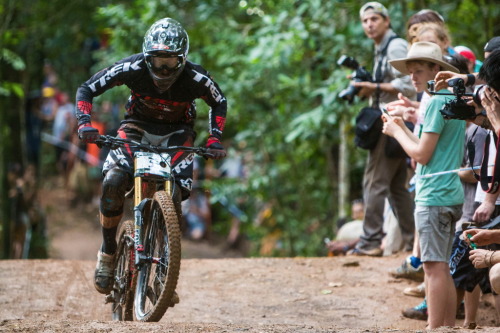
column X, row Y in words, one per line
column 163, row 88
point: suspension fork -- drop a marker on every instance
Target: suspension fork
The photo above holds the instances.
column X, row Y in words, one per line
column 139, row 204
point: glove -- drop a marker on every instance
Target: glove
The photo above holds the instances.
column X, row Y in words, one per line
column 87, row 133
column 216, row 149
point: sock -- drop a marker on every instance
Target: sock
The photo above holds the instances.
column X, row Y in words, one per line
column 109, row 240
column 415, row 262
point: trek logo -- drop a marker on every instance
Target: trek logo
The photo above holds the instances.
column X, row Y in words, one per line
column 113, row 71
column 217, row 96
column 187, row 183
column 184, row 163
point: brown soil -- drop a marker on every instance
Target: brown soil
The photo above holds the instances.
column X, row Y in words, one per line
column 218, row 294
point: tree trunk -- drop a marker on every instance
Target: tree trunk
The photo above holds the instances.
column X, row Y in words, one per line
column 343, row 177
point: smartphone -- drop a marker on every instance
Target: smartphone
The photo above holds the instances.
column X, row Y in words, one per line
column 384, row 110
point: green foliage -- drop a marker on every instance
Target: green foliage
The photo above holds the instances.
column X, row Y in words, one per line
column 274, row 60
column 17, row 64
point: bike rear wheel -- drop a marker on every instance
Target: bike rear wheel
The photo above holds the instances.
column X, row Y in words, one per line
column 122, row 295
column 157, row 277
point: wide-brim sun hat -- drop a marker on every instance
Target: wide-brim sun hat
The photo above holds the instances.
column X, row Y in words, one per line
column 423, row 51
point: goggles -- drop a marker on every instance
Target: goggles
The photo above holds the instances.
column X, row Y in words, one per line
column 165, row 67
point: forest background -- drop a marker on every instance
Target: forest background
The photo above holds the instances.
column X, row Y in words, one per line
column 276, row 62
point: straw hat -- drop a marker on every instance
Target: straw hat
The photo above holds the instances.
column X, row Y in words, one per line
column 424, row 51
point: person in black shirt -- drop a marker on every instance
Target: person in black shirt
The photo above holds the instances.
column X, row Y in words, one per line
column 163, row 88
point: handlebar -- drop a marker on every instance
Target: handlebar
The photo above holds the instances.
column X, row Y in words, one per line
column 115, row 143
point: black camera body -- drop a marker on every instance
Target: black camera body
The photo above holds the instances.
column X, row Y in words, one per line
column 360, row 74
column 458, row 107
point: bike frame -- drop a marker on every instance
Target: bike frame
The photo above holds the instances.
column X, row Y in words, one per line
column 147, row 178
column 153, row 177
column 151, row 169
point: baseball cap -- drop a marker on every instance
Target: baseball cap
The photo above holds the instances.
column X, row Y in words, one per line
column 492, row 44
column 466, row 52
column 373, row 7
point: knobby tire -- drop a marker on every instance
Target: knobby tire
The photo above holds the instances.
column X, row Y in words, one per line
column 156, row 283
column 122, row 306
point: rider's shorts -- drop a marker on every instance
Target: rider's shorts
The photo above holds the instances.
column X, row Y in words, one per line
column 182, row 162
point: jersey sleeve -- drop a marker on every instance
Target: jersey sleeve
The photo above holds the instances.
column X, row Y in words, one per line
column 115, row 75
column 213, row 96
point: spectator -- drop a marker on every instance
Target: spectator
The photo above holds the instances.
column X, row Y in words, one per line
column 467, row 53
column 48, row 108
column 425, row 26
column 348, row 233
column 196, row 210
column 482, row 258
column 437, row 199
column 385, row 177
column 434, row 33
column 62, row 130
column 492, row 45
column 464, row 277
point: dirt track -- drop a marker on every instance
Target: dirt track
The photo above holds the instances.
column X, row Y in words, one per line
column 339, row 294
column 336, row 294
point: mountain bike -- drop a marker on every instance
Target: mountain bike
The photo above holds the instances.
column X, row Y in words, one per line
column 147, row 261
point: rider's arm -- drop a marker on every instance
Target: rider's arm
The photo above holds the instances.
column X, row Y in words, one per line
column 102, row 81
column 214, row 97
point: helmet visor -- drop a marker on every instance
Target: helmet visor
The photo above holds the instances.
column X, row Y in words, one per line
column 165, row 67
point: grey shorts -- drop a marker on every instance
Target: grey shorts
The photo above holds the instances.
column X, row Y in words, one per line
column 436, row 230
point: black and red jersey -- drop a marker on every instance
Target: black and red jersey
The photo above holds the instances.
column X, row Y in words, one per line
column 147, row 106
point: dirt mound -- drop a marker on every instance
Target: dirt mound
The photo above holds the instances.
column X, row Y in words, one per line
column 218, row 294
column 342, row 294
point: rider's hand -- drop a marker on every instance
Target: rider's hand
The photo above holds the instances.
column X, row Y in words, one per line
column 87, row 133
column 216, row 149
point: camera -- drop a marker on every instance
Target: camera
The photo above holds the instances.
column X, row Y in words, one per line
column 458, row 108
column 360, row 75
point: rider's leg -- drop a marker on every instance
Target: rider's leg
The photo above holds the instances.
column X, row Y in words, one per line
column 109, row 227
column 114, row 187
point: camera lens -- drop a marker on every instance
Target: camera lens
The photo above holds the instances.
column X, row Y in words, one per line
column 430, row 85
column 478, row 94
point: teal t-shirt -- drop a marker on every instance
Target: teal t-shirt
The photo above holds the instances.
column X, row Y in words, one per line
column 441, row 190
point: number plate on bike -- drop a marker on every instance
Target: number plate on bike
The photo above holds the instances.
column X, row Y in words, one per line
column 152, row 164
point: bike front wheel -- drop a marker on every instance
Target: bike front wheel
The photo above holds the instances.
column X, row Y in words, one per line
column 122, row 295
column 158, row 274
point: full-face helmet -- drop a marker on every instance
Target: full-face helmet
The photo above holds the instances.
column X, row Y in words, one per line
column 165, row 47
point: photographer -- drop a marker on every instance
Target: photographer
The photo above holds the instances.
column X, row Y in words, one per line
column 489, row 74
column 385, row 177
column 489, row 100
column 482, row 258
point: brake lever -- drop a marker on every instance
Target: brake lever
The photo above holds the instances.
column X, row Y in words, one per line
column 207, row 155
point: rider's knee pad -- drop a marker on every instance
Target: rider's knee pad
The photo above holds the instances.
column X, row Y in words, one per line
column 114, row 186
